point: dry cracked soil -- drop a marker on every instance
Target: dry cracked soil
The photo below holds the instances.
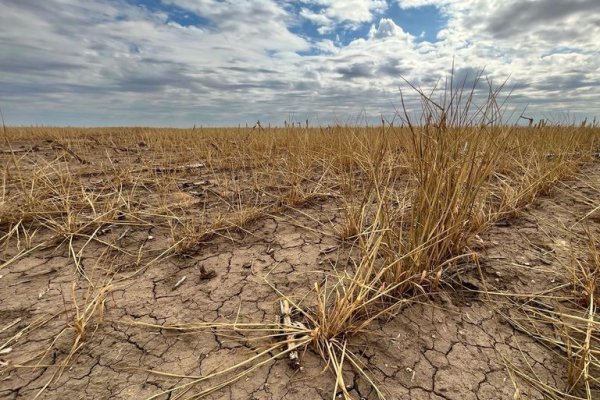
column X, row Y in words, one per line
column 461, row 342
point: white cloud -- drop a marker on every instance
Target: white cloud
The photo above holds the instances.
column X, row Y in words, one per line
column 387, row 28
column 355, row 11
column 325, row 23
column 352, row 12
column 316, row 18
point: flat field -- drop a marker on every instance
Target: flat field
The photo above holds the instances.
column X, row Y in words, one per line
column 424, row 262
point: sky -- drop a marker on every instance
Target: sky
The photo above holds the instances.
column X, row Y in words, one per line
column 226, row 62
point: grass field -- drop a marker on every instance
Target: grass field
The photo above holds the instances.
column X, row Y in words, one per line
column 447, row 258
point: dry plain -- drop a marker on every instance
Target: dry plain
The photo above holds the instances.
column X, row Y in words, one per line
column 438, row 261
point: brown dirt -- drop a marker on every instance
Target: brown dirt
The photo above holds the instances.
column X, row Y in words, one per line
column 450, row 346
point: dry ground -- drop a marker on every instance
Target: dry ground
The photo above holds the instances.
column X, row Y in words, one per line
column 190, row 240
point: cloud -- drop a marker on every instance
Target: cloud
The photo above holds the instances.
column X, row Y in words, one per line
column 359, row 70
column 352, row 13
column 521, row 16
column 355, row 11
column 404, row 4
column 316, row 18
column 107, row 62
column 392, row 67
column 387, row 28
column 566, row 82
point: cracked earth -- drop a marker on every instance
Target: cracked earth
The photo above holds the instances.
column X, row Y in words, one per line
column 453, row 345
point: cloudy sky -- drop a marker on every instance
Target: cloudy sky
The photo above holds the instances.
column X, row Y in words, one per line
column 224, row 62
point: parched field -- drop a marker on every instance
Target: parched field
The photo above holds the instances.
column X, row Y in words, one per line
column 429, row 262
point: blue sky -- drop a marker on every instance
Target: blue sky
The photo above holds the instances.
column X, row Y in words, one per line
column 174, row 13
column 224, row 62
